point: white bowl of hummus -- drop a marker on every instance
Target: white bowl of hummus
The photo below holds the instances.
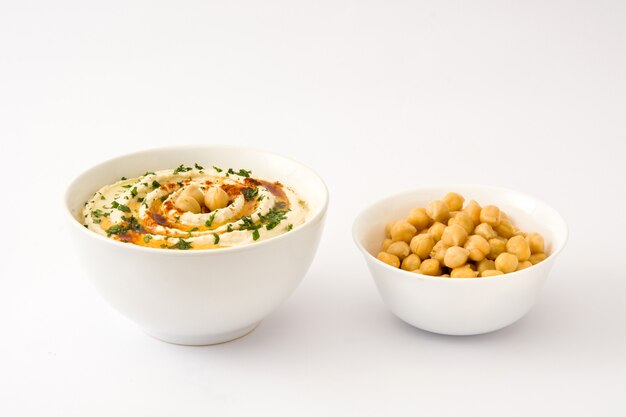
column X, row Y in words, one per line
column 196, row 244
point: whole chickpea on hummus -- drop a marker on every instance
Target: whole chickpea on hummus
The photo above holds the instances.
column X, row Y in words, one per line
column 194, row 208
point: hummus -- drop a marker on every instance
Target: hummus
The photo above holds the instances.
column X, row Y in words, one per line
column 143, row 210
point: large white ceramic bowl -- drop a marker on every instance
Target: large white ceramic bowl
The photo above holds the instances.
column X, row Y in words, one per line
column 198, row 297
column 462, row 306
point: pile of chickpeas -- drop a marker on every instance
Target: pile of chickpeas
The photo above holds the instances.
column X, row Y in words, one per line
column 448, row 239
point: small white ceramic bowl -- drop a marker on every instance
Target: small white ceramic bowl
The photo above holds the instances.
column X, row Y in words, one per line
column 462, row 306
column 198, row 297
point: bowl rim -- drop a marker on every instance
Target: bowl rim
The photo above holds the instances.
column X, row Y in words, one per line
column 413, row 275
column 196, row 252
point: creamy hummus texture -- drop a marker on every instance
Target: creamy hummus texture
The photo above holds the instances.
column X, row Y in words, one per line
column 145, row 211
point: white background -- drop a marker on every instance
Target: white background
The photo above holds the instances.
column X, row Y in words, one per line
column 378, row 97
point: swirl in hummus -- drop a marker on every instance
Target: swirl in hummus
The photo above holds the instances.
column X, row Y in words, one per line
column 154, row 210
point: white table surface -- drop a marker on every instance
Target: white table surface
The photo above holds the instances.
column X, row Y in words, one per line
column 378, row 97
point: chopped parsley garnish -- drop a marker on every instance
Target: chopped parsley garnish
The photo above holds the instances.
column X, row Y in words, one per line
column 209, row 222
column 261, row 197
column 126, row 186
column 250, row 193
column 133, row 191
column 156, row 184
column 123, row 179
column 120, row 207
column 99, row 213
column 272, row 218
column 148, row 173
column 102, row 197
column 182, row 168
column 147, row 238
column 117, row 229
column 181, row 244
column 242, row 172
column 198, row 166
column 255, row 235
column 216, row 238
column 163, row 198
column 229, row 228
column 217, row 169
column 289, row 227
column 97, row 221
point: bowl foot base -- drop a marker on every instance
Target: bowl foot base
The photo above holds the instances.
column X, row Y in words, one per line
column 202, row 340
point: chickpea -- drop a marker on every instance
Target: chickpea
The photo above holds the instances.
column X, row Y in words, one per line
column 464, row 271
column 430, row 267
column 215, row 198
column 465, row 221
column 535, row 258
column 485, row 265
column 490, row 215
column 385, row 244
column 438, row 211
column 454, row 235
column 389, row 259
column 193, row 190
column 187, row 203
column 491, row 273
column 418, row 218
column 506, row 262
column 455, row 257
column 518, row 246
column 473, row 209
column 399, row 249
column 505, row 228
column 388, row 228
column 523, row 265
column 478, row 247
column 436, row 231
column 411, row 262
column 496, row 247
column 421, row 245
column 439, row 251
column 535, row 242
column 485, row 230
column 454, row 201
column 403, row 231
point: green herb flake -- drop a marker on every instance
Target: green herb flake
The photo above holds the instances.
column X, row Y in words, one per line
column 244, row 173
column 182, row 168
column 216, row 238
column 209, row 222
column 133, row 191
column 255, row 235
column 182, row 244
column 123, row 179
column 199, row 167
column 156, row 184
column 217, row 169
column 147, row 238
column 126, row 186
column 123, row 208
column 102, row 197
column 229, row 228
column 149, row 173
column 289, row 227
column 250, row 193
column 272, row 218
